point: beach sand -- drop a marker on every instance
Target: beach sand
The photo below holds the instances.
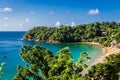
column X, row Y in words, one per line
column 106, row 52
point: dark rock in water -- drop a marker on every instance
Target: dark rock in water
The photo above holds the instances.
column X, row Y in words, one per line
column 3, row 52
column 4, row 57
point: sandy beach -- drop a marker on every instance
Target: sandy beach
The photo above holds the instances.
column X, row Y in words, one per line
column 106, row 52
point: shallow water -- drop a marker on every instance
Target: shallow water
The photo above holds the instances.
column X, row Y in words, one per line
column 10, row 45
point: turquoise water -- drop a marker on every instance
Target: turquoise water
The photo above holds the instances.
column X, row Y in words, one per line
column 10, row 45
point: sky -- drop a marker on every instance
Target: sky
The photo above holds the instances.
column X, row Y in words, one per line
column 22, row 15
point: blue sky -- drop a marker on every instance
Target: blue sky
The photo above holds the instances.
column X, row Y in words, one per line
column 19, row 15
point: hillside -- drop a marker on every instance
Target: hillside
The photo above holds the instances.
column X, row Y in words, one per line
column 104, row 33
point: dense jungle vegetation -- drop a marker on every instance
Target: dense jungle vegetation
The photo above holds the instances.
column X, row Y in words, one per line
column 43, row 65
column 104, row 33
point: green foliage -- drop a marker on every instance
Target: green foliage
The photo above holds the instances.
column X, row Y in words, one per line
column 114, row 61
column 109, row 70
column 103, row 33
column 1, row 67
column 43, row 65
column 103, row 71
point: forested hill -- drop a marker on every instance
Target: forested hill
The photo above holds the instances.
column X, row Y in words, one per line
column 104, row 33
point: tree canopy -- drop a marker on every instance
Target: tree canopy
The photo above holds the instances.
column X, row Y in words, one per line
column 43, row 65
column 104, row 33
column 108, row 70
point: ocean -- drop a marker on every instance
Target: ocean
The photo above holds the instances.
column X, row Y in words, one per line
column 10, row 44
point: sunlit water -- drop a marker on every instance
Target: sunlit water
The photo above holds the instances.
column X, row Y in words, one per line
column 10, row 43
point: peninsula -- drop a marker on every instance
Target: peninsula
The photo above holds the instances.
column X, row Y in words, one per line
column 105, row 33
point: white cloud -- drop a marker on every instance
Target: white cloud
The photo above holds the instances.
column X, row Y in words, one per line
column 93, row 11
column 27, row 20
column 5, row 25
column 51, row 12
column 20, row 24
column 5, row 18
column 58, row 23
column 73, row 24
column 66, row 24
column 6, row 9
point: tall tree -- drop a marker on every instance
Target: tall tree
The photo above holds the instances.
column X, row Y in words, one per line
column 43, row 65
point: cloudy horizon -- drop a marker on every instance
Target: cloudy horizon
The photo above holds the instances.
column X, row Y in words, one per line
column 22, row 15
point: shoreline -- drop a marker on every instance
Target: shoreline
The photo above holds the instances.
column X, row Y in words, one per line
column 106, row 51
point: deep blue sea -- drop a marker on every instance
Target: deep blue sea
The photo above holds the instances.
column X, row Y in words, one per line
column 10, row 44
